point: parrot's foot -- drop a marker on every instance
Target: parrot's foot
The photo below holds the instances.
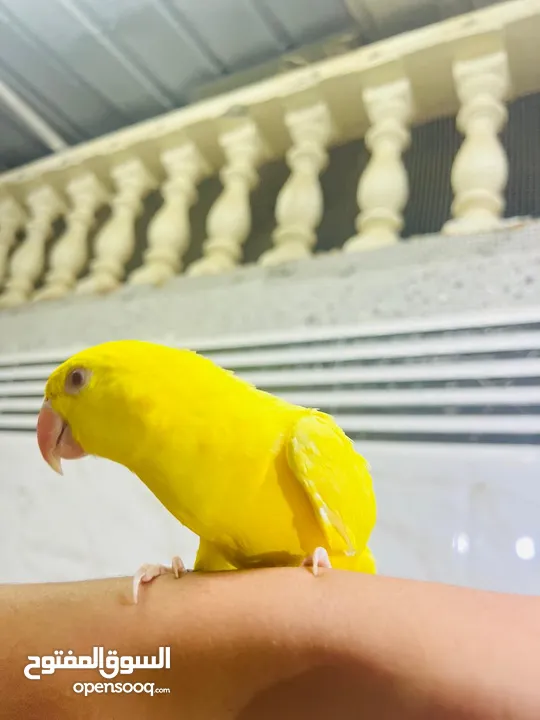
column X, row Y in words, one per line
column 319, row 559
column 146, row 573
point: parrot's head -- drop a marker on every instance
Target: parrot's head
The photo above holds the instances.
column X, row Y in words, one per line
column 97, row 401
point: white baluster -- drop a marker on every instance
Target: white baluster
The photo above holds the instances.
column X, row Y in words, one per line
column 480, row 170
column 116, row 241
column 229, row 220
column 300, row 203
column 383, row 188
column 28, row 259
column 70, row 252
column 11, row 219
column 169, row 231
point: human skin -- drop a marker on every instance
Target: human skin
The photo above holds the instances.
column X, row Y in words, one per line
column 278, row 643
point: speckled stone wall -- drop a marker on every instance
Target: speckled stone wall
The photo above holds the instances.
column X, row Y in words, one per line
column 425, row 277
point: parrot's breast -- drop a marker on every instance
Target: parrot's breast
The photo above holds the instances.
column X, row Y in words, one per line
column 233, row 487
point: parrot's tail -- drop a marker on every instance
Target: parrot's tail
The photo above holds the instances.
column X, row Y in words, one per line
column 365, row 562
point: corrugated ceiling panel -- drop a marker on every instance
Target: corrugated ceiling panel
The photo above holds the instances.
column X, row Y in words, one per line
column 33, row 73
column 48, row 81
column 304, row 20
column 394, row 16
column 17, row 145
column 99, row 64
column 234, row 29
column 90, row 67
column 153, row 37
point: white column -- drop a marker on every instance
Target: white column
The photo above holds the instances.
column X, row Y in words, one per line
column 300, row 203
column 11, row 219
column 229, row 220
column 28, row 259
column 383, row 189
column 169, row 231
column 116, row 242
column 70, row 252
column 480, row 170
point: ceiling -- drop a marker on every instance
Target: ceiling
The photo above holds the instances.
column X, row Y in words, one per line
column 90, row 67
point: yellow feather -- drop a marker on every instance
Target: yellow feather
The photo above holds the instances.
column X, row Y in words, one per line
column 261, row 481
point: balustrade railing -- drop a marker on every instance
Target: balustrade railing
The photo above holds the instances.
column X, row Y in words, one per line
column 470, row 66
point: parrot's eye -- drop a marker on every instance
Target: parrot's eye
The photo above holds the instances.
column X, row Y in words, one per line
column 76, row 380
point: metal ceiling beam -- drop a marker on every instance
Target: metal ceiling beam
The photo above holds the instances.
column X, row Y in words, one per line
column 31, row 118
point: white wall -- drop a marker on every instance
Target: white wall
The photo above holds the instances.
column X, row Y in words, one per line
column 96, row 520
column 458, row 514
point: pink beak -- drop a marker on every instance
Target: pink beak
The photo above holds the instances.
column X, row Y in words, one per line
column 54, row 438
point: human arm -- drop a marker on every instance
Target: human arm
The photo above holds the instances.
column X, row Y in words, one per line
column 278, row 643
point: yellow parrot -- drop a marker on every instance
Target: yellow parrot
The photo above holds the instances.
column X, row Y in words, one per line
column 261, row 481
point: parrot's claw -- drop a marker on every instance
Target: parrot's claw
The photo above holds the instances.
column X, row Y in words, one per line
column 178, row 566
column 146, row 573
column 319, row 559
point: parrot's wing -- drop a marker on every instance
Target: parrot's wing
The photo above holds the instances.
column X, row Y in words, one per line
column 324, row 461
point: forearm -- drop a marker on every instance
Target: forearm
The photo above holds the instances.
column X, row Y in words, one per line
column 278, row 643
